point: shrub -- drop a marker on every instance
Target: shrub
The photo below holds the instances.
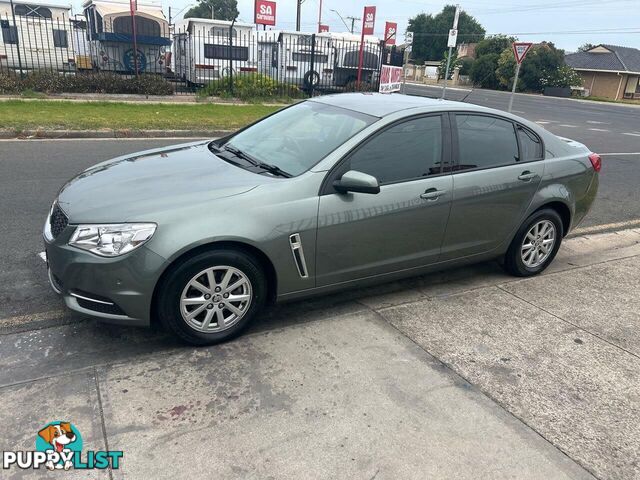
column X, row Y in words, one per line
column 483, row 71
column 564, row 77
column 250, row 87
column 52, row 82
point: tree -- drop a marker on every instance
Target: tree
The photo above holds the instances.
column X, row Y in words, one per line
column 455, row 62
column 543, row 61
column 496, row 44
column 483, row 71
column 430, row 32
column 221, row 9
column 585, row 46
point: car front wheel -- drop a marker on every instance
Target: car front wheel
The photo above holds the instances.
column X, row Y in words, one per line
column 535, row 245
column 212, row 296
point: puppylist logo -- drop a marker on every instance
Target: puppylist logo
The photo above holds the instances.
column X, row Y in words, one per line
column 59, row 447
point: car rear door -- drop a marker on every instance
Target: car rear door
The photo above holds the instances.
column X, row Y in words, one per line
column 497, row 170
column 402, row 227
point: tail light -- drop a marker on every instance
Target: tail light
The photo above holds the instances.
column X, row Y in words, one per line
column 596, row 161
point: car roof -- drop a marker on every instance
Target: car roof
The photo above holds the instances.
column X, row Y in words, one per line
column 381, row 104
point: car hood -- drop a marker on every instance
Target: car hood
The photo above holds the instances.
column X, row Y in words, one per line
column 133, row 187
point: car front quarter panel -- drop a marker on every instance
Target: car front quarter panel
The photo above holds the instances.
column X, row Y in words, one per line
column 264, row 219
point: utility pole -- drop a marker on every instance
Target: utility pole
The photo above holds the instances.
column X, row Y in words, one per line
column 453, row 38
column 353, row 22
column 213, row 13
column 320, row 16
column 298, row 12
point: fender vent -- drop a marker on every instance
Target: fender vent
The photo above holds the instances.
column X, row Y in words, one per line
column 298, row 255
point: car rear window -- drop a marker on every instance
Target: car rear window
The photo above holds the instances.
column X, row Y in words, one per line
column 530, row 145
column 485, row 141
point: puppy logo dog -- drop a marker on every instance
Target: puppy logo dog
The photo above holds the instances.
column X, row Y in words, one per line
column 60, row 436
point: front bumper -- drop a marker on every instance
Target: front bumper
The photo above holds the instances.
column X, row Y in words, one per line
column 117, row 290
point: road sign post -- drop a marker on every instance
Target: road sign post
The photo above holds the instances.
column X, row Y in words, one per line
column 520, row 51
column 451, row 43
column 408, row 40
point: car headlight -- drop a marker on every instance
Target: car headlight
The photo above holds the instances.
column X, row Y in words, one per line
column 112, row 240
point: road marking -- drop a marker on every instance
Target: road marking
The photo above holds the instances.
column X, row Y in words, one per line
column 519, row 111
column 597, row 123
column 621, row 153
column 546, row 121
column 632, row 134
column 43, row 256
column 609, row 226
column 598, row 130
column 568, row 126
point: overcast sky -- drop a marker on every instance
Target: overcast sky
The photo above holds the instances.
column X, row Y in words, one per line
column 605, row 21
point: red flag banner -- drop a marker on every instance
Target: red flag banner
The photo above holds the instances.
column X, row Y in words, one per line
column 369, row 20
column 390, row 33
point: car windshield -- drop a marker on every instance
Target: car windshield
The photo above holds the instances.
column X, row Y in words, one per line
column 298, row 137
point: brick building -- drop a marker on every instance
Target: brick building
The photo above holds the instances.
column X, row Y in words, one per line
column 608, row 71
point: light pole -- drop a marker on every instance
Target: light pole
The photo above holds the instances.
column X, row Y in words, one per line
column 345, row 23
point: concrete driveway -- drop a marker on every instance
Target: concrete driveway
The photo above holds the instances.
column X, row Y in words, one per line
column 466, row 374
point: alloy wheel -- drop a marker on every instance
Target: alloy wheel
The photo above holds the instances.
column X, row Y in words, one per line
column 216, row 299
column 538, row 244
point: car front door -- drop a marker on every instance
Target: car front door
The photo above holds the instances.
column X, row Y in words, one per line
column 402, row 226
column 497, row 171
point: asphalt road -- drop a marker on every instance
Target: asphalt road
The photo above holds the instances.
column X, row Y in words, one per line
column 31, row 172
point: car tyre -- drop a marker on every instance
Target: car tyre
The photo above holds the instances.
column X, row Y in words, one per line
column 177, row 286
column 520, row 259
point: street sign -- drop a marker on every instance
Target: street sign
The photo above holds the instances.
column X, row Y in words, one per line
column 369, row 20
column 520, row 50
column 265, row 12
column 408, row 38
column 453, row 38
column 324, row 28
column 390, row 32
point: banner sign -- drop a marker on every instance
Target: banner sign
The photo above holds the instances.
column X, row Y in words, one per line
column 369, row 20
column 390, row 33
column 324, row 28
column 520, row 50
column 390, row 79
column 265, row 12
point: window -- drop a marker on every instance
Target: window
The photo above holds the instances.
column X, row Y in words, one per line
column 306, row 57
column 9, row 33
column 485, row 141
column 144, row 26
column 32, row 11
column 60, row 39
column 222, row 52
column 405, row 151
column 530, row 145
column 298, row 137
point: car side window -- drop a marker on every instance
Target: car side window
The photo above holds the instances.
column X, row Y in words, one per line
column 530, row 145
column 485, row 141
column 406, row 151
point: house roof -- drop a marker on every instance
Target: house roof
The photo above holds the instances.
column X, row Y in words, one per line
column 611, row 58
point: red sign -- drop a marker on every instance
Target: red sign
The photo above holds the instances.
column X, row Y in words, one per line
column 520, row 50
column 133, row 5
column 324, row 28
column 369, row 20
column 265, row 12
column 390, row 79
column 390, row 33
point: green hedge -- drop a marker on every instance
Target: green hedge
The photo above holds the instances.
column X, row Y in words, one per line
column 51, row 82
column 250, row 87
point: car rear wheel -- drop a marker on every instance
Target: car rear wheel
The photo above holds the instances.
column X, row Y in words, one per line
column 212, row 297
column 535, row 245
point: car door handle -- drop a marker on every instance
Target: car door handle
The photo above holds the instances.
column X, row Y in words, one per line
column 432, row 194
column 527, row 175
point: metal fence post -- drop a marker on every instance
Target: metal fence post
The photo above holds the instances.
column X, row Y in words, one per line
column 231, row 56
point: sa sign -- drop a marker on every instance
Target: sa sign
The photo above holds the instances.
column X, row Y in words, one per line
column 369, row 20
column 265, row 12
column 390, row 33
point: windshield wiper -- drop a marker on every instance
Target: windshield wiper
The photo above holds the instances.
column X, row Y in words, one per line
column 273, row 169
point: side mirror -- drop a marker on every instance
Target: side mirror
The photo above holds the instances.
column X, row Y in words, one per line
column 354, row 181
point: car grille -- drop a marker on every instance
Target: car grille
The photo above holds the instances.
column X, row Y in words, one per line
column 58, row 221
